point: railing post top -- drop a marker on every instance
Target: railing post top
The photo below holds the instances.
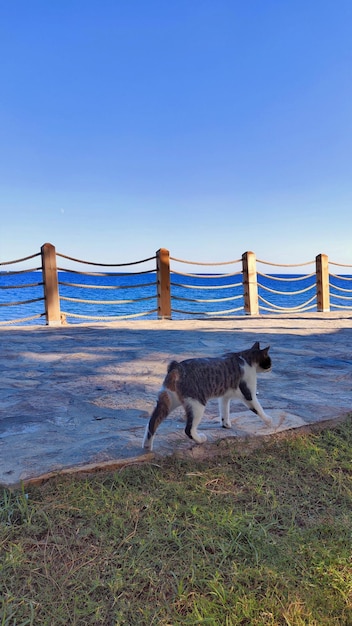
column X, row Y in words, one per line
column 248, row 253
column 163, row 251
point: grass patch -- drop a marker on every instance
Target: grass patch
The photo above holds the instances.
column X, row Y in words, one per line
column 262, row 539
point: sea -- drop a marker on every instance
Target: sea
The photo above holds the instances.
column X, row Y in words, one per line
column 112, row 296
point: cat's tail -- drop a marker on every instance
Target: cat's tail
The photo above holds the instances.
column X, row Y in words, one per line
column 161, row 411
column 168, row 400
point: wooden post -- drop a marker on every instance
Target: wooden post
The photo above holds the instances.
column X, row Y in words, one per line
column 250, row 285
column 163, row 281
column 322, row 272
column 51, row 285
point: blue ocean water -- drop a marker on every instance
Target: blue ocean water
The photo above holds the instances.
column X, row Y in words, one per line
column 134, row 296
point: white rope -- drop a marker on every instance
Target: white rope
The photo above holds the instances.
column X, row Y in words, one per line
column 209, row 300
column 308, row 308
column 210, row 276
column 338, row 306
column 339, row 277
column 106, row 301
column 21, row 302
column 200, row 313
column 340, row 264
column 172, row 258
column 286, row 293
column 65, row 269
column 21, row 286
column 285, row 264
column 339, row 289
column 32, row 269
column 25, row 258
column 82, row 286
column 69, row 258
column 23, row 319
column 280, row 308
column 271, row 277
column 109, row 317
column 206, row 287
column 335, row 295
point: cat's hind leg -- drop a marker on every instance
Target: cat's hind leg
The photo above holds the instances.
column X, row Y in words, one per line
column 194, row 413
column 167, row 402
column 224, row 409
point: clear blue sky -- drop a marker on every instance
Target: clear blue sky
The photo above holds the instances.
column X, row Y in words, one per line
column 209, row 127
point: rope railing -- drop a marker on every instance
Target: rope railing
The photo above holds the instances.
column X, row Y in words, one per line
column 274, row 307
column 302, row 307
column 109, row 302
column 287, row 292
column 343, row 297
column 123, row 280
column 285, row 264
column 340, row 289
column 22, row 320
column 340, row 264
column 286, row 279
column 82, row 286
column 230, row 286
column 338, row 301
column 71, row 271
column 175, row 273
column 176, row 294
column 70, row 258
column 32, row 269
column 110, row 318
column 172, row 258
column 25, row 258
column 207, row 299
column 22, row 286
column 11, row 284
column 210, row 313
column 21, row 302
column 203, row 283
column 340, row 277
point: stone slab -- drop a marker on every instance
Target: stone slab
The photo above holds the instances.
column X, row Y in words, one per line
column 81, row 395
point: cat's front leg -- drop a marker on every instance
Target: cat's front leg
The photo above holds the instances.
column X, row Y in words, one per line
column 257, row 408
column 249, row 397
column 224, row 409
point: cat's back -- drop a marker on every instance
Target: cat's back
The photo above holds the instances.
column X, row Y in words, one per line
column 200, row 365
column 204, row 377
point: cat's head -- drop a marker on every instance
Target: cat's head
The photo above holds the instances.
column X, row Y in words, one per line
column 260, row 357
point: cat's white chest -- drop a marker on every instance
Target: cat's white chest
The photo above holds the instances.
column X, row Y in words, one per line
column 250, row 376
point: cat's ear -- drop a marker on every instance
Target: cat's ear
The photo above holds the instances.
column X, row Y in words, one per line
column 266, row 349
column 256, row 346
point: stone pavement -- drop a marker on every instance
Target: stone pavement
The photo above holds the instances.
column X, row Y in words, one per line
column 79, row 397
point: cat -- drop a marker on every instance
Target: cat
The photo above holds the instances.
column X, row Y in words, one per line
column 191, row 383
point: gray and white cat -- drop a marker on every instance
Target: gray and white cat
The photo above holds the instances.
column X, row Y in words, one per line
column 191, row 383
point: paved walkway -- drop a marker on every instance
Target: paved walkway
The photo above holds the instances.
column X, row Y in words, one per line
column 79, row 396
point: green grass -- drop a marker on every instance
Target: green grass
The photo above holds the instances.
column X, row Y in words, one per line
column 261, row 538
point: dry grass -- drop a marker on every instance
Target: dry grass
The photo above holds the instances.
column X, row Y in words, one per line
column 262, row 539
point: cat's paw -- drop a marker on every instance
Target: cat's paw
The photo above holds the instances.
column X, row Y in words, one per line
column 226, row 425
column 266, row 419
column 199, row 437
